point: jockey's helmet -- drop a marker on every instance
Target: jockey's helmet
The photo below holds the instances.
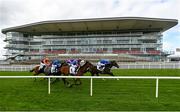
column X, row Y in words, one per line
column 82, row 62
column 47, row 59
column 79, row 59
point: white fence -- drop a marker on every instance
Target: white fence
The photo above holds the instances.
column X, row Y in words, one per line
column 150, row 66
column 122, row 66
column 16, row 67
column 4, row 62
column 96, row 77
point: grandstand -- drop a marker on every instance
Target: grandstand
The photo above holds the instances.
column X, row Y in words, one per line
column 121, row 38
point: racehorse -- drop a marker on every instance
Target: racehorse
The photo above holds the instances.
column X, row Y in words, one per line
column 107, row 70
column 46, row 71
column 65, row 71
column 83, row 69
column 36, row 71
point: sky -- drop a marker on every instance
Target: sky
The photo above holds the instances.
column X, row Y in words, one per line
column 19, row 12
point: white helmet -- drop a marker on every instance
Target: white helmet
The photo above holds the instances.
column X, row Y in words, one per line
column 82, row 62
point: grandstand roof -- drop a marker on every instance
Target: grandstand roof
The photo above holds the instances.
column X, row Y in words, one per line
column 96, row 24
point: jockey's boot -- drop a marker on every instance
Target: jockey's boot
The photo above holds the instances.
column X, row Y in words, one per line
column 76, row 69
column 56, row 70
column 101, row 68
column 74, row 72
column 41, row 70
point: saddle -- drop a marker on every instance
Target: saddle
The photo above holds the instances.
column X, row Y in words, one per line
column 101, row 68
column 42, row 69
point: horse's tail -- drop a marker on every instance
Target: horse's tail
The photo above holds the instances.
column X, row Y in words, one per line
column 31, row 70
column 36, row 67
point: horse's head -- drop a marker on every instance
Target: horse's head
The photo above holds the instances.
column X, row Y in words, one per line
column 88, row 64
column 114, row 63
column 64, row 63
column 84, row 68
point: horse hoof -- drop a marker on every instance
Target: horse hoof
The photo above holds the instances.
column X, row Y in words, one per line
column 69, row 85
column 52, row 82
column 35, row 80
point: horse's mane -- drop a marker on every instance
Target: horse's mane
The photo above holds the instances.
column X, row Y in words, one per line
column 113, row 61
column 85, row 63
column 109, row 65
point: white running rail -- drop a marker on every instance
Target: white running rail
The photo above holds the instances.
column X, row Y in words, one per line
column 121, row 65
column 97, row 77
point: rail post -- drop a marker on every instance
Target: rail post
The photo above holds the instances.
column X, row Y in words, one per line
column 49, row 85
column 157, row 82
column 91, row 91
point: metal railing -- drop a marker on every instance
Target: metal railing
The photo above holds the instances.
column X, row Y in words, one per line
column 121, row 66
column 96, row 77
column 151, row 66
column 16, row 67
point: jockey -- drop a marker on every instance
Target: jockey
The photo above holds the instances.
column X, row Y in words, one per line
column 74, row 65
column 69, row 61
column 101, row 64
column 55, row 65
column 43, row 63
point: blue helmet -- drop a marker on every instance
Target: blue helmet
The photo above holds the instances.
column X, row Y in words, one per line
column 56, row 61
column 104, row 61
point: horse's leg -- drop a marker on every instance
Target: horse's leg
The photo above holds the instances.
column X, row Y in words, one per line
column 77, row 80
column 31, row 70
column 36, row 75
column 110, row 73
column 57, row 79
column 95, row 74
column 34, row 78
column 66, row 83
column 92, row 74
column 103, row 78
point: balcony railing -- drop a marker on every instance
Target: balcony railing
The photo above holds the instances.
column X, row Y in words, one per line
column 92, row 35
column 16, row 46
column 132, row 52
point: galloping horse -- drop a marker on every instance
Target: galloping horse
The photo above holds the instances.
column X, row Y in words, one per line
column 46, row 71
column 36, row 70
column 83, row 69
column 107, row 70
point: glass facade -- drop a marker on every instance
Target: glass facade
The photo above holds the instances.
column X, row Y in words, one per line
column 133, row 43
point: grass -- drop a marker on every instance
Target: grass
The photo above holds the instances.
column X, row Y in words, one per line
column 111, row 94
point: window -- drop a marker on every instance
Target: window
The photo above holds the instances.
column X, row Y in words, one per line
column 70, row 42
column 99, row 41
column 78, row 42
column 107, row 41
column 122, row 41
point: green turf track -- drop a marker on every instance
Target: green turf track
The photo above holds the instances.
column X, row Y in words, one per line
column 111, row 94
